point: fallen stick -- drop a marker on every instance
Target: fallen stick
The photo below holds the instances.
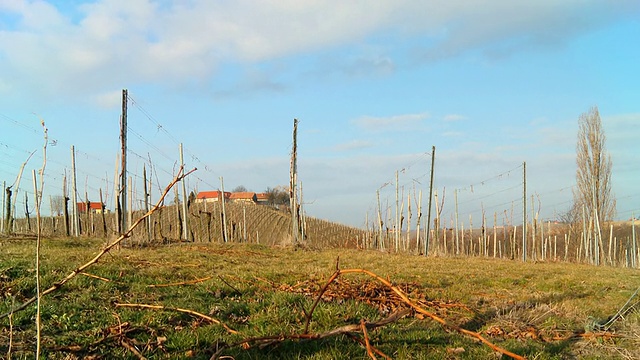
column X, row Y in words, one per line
column 127, row 234
column 95, row 276
column 187, row 311
column 366, row 340
column 133, row 349
column 189, row 282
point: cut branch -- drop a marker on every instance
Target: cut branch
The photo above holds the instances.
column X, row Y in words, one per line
column 186, row 311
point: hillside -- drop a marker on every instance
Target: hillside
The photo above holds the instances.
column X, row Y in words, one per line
column 246, row 222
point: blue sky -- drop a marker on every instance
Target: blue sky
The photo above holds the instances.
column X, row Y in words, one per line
column 374, row 84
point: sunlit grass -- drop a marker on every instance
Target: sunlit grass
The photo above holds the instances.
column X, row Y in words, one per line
column 533, row 304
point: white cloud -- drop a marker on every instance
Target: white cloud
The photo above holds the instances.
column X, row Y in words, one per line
column 390, row 123
column 103, row 43
column 109, row 99
column 454, row 117
column 353, row 145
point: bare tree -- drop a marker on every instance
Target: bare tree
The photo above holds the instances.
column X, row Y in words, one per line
column 239, row 188
column 593, row 175
column 592, row 196
column 57, row 204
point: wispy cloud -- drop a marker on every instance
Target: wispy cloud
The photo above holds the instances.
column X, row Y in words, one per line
column 454, row 117
column 390, row 123
column 90, row 47
column 353, row 145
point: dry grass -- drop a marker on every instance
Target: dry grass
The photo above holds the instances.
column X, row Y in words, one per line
column 538, row 310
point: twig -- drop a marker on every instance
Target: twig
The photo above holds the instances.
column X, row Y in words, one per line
column 104, row 251
column 189, row 282
column 132, row 348
column 10, row 330
column 373, row 348
column 187, row 311
column 229, row 285
column 366, row 340
column 95, row 276
column 315, row 303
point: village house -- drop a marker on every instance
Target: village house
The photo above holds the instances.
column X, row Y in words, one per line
column 262, row 198
column 95, row 207
column 245, row 197
column 211, row 196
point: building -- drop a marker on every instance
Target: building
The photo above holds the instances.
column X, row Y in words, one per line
column 247, row 197
column 95, row 207
column 212, row 196
column 262, row 198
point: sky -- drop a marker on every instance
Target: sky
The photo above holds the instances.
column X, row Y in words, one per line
column 374, row 84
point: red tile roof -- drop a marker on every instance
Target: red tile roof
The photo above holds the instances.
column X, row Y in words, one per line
column 212, row 194
column 242, row 195
column 94, row 205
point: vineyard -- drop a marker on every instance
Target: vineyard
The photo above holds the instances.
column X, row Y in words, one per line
column 246, row 223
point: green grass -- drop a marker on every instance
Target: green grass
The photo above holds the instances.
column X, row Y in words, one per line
column 266, row 291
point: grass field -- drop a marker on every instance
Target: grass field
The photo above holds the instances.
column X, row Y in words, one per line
column 536, row 310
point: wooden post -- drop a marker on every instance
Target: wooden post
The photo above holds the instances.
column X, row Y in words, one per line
column 524, row 211
column 116, row 198
column 74, row 195
column 397, row 225
column 146, row 201
column 455, row 195
column 185, row 216
column 4, row 198
column 130, row 202
column 436, row 224
column 26, row 210
column 418, row 221
column 244, row 225
column 495, row 234
column 426, row 242
column 104, row 220
column 65, row 195
column 178, row 221
column 380, row 244
column 634, row 248
column 610, row 244
column 224, row 214
column 293, row 172
column 123, row 167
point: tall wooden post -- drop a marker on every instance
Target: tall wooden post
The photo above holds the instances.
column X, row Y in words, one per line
column 146, row 201
column 75, row 219
column 4, row 187
column 123, row 164
column 397, row 227
column 225, row 236
column 293, row 178
column 455, row 196
column 380, row 244
column 524, row 211
column 65, row 195
column 418, row 220
column 104, row 220
column 634, row 247
column 426, row 240
column 185, row 216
